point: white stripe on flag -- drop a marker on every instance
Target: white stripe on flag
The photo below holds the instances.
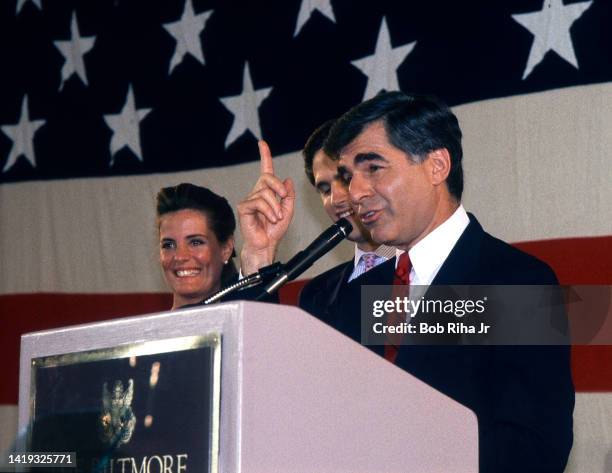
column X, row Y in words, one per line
column 537, row 167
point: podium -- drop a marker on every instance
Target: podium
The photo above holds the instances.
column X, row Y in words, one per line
column 271, row 388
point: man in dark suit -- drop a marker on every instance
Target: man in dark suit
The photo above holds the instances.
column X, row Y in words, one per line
column 401, row 157
column 328, row 295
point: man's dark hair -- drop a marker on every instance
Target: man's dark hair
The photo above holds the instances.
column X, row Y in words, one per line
column 415, row 124
column 313, row 145
column 218, row 212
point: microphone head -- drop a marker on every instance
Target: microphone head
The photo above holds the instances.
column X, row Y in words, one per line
column 345, row 226
column 321, row 245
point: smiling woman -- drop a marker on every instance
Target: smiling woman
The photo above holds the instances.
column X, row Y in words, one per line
column 196, row 242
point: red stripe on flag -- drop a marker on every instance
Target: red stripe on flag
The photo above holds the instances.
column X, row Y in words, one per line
column 581, row 261
column 575, row 260
column 592, row 368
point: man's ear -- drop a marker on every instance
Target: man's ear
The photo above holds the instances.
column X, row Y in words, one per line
column 440, row 165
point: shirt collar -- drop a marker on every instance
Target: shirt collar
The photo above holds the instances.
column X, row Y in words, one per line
column 428, row 255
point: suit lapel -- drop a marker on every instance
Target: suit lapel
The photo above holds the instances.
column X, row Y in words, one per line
column 336, row 285
column 459, row 266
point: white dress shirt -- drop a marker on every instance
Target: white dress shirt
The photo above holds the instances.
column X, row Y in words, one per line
column 429, row 254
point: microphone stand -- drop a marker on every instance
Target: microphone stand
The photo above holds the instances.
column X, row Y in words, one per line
column 255, row 279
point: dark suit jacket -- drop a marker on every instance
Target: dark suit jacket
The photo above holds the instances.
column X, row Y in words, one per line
column 523, row 396
column 335, row 301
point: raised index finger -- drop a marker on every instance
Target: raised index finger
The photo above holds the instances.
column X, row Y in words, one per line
column 265, row 156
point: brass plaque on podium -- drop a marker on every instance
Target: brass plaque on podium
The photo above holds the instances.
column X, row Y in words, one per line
column 150, row 407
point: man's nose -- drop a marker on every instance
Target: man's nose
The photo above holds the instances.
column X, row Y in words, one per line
column 339, row 194
column 359, row 189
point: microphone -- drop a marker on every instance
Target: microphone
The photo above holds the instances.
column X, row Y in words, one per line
column 305, row 258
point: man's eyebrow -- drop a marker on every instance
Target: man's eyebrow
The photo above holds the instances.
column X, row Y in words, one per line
column 365, row 157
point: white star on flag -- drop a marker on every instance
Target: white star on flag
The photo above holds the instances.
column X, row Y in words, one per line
column 308, row 7
column 21, row 3
column 126, row 127
column 186, row 32
column 381, row 67
column 245, row 108
column 22, row 135
column 551, row 28
column 73, row 51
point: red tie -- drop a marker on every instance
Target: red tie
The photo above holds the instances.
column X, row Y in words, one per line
column 402, row 272
column 401, row 288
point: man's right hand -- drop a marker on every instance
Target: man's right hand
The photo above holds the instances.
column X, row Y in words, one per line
column 264, row 215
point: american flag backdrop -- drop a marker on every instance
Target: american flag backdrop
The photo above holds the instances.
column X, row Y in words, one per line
column 102, row 102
